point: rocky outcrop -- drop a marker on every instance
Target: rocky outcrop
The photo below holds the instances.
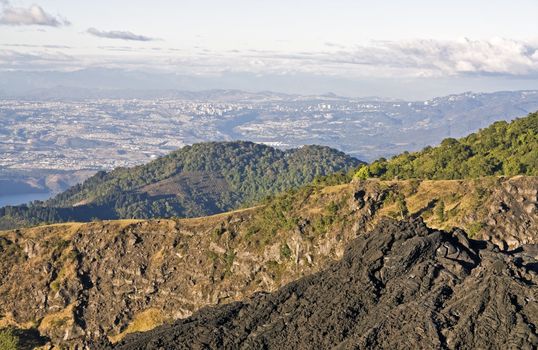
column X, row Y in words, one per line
column 512, row 217
column 497, row 209
column 401, row 286
column 145, row 273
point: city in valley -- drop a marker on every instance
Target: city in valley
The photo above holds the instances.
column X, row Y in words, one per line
column 52, row 144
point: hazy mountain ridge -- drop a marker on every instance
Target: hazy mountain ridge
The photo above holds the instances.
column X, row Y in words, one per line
column 101, row 134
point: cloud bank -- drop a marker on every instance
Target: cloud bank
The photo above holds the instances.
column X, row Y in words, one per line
column 439, row 58
column 415, row 58
column 120, row 35
column 33, row 15
column 381, row 59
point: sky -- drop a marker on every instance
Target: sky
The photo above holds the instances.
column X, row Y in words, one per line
column 401, row 49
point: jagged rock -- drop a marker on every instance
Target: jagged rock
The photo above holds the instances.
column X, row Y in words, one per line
column 128, row 267
column 359, row 198
column 30, row 249
column 401, row 286
column 512, row 209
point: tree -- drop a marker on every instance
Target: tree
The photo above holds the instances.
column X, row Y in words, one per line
column 513, row 166
column 378, row 168
column 363, row 173
column 501, row 149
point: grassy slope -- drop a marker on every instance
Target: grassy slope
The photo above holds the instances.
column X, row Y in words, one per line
column 248, row 250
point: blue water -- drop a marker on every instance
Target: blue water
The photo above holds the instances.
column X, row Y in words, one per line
column 17, row 199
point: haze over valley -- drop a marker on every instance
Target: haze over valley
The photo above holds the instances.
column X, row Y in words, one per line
column 52, row 144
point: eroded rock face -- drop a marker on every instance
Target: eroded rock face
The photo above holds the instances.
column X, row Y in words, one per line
column 512, row 218
column 401, row 285
column 61, row 279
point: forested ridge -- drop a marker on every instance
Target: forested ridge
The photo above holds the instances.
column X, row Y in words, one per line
column 197, row 180
column 213, row 177
column 502, row 149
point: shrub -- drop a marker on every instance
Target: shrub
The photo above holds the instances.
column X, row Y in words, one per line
column 363, row 173
column 475, row 228
column 402, row 206
column 285, row 251
column 55, row 286
column 440, row 211
column 8, row 340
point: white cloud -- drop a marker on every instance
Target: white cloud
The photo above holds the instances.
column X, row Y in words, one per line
column 414, row 58
column 382, row 59
column 117, row 34
column 495, row 56
column 33, row 15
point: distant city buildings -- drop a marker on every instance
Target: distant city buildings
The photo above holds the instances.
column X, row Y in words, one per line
column 102, row 134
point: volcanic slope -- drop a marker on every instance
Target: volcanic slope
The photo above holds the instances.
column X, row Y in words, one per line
column 58, row 279
column 400, row 286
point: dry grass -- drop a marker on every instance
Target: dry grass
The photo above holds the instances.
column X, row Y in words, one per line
column 214, row 219
column 67, row 230
column 63, row 230
column 57, row 319
column 142, row 322
column 336, row 189
column 431, row 190
column 157, row 258
column 9, row 321
column 460, row 197
column 314, row 211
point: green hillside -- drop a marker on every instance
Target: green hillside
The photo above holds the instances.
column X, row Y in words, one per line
column 197, row 180
column 500, row 149
column 209, row 178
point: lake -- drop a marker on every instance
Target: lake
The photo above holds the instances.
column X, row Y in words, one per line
column 17, row 199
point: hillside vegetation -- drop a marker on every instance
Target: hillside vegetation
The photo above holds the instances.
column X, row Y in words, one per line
column 197, row 180
column 209, row 178
column 117, row 277
column 111, row 278
column 501, row 149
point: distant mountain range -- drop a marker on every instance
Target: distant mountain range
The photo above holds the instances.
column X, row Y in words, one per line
column 366, row 128
column 69, row 132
